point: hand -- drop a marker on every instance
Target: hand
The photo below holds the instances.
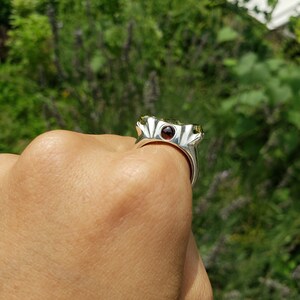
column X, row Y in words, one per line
column 90, row 217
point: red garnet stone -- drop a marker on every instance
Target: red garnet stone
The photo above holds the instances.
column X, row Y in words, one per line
column 167, row 132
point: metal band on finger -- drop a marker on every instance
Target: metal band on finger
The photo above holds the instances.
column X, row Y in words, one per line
column 185, row 137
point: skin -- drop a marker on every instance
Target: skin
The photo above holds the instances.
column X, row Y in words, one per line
column 91, row 217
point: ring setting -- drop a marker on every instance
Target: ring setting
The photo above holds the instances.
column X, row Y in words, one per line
column 185, row 137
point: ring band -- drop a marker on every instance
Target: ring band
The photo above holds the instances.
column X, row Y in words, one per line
column 184, row 136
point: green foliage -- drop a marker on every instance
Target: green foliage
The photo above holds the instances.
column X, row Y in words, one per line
column 292, row 46
column 30, row 44
column 260, row 122
column 23, row 8
column 226, row 34
column 96, row 65
column 21, row 110
column 5, row 12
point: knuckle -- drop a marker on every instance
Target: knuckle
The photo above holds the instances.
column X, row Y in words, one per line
column 49, row 149
column 43, row 169
column 46, row 158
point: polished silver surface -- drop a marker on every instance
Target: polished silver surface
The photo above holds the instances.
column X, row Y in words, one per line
column 184, row 136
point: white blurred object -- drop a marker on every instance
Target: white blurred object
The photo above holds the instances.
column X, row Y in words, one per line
column 281, row 14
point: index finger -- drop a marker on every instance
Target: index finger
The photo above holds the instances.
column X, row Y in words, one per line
column 115, row 143
column 159, row 150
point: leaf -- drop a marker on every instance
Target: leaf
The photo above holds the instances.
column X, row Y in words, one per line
column 253, row 98
column 229, row 104
column 97, row 62
column 294, row 118
column 282, row 194
column 246, row 64
column 290, row 141
column 227, row 34
column 114, row 36
column 260, row 73
column 272, row 3
column 243, row 126
column 274, row 64
column 229, row 62
column 279, row 93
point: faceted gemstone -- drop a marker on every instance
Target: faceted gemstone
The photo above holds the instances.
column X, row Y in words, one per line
column 167, row 132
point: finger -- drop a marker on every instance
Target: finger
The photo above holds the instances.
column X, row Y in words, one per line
column 159, row 153
column 160, row 150
column 155, row 214
column 170, row 155
column 77, row 141
column 196, row 284
column 160, row 169
column 7, row 161
column 115, row 143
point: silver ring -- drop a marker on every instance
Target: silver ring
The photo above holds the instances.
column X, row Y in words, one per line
column 184, row 136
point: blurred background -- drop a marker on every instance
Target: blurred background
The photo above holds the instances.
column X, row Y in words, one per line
column 95, row 66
